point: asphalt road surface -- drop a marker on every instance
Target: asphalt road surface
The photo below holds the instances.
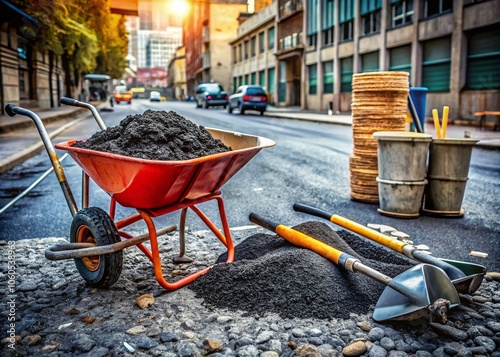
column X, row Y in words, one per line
column 309, row 164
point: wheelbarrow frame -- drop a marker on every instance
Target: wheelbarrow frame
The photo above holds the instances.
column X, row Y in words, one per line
column 83, row 250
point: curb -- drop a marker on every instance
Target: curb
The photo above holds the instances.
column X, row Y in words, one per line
column 23, row 155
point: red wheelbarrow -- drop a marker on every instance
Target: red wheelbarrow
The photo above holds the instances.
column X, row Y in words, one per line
column 153, row 188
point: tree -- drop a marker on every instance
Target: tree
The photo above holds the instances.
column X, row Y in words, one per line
column 83, row 33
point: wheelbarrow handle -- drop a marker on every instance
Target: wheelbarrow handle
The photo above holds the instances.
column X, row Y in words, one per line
column 76, row 103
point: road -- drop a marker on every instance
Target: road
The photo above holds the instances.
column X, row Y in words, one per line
column 309, row 164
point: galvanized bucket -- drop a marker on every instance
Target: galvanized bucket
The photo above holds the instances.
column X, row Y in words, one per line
column 400, row 199
column 449, row 162
column 402, row 156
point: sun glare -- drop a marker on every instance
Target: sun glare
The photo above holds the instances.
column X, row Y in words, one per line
column 179, row 7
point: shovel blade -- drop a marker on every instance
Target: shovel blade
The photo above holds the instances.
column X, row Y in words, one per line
column 422, row 292
column 474, row 274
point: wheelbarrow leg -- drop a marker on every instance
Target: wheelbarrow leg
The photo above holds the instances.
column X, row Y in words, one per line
column 182, row 258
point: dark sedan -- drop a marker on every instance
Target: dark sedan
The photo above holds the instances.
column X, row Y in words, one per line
column 210, row 95
column 248, row 97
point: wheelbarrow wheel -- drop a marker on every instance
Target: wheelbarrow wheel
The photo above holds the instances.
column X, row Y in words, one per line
column 94, row 225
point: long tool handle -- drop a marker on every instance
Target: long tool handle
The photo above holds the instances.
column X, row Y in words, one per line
column 446, row 111
column 389, row 242
column 414, row 114
column 407, row 249
column 338, row 257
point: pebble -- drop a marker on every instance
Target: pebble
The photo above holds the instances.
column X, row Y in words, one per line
column 58, row 315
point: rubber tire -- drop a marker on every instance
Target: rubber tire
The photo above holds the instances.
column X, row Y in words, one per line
column 261, row 112
column 197, row 104
column 205, row 105
column 229, row 109
column 224, row 107
column 104, row 232
column 242, row 111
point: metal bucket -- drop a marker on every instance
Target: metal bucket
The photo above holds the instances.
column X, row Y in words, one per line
column 402, row 156
column 449, row 162
column 400, row 199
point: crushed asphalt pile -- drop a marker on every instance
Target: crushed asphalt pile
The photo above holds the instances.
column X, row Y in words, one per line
column 155, row 135
column 271, row 275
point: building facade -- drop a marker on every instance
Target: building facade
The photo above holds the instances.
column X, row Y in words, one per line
column 176, row 75
column 450, row 47
column 253, row 52
column 208, row 29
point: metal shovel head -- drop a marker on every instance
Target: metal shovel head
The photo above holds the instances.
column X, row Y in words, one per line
column 474, row 274
column 423, row 285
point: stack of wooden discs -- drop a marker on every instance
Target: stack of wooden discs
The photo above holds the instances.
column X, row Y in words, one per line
column 379, row 103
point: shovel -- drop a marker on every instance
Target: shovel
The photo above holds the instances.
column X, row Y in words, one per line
column 423, row 291
column 467, row 277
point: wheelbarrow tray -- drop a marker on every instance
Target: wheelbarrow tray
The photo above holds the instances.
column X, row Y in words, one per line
column 149, row 184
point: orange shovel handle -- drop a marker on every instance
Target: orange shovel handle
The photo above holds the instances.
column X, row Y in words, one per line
column 300, row 239
column 380, row 238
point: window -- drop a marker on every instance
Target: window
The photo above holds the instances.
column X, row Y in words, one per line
column 312, row 22
column 253, row 79
column 246, row 79
column 402, row 13
column 262, row 78
column 235, row 84
column 369, row 62
column 253, row 46
column 370, row 16
column 483, row 57
column 234, row 55
column 400, row 59
column 240, row 81
column 246, row 49
column 262, row 45
column 240, row 53
column 313, row 78
column 436, row 65
column 346, row 19
column 328, row 77
column 436, row 7
column 270, row 80
column 327, row 22
column 270, row 38
column 346, row 70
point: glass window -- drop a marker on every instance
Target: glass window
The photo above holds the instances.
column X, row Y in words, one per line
column 346, row 17
column 483, row 58
column 436, row 7
column 240, row 53
column 253, row 79
column 270, row 38
column 234, row 55
column 262, row 78
column 402, row 13
column 313, row 78
column 246, row 78
column 371, row 23
column 346, row 71
column 253, row 46
column 246, row 49
column 270, row 80
column 240, row 81
column 235, row 84
column 400, row 59
column 328, row 77
column 369, row 62
column 327, row 22
column 312, row 22
column 436, row 65
column 262, row 45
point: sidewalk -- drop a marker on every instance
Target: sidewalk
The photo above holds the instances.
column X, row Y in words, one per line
column 13, row 134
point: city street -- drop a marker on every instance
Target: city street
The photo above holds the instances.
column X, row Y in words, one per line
column 309, row 164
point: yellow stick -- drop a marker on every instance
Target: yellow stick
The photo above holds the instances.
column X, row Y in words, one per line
column 436, row 123
column 446, row 111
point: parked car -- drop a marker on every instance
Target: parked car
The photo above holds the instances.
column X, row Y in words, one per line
column 248, row 97
column 210, row 95
column 122, row 94
column 154, row 96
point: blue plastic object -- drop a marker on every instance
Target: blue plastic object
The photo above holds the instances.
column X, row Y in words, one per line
column 419, row 97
